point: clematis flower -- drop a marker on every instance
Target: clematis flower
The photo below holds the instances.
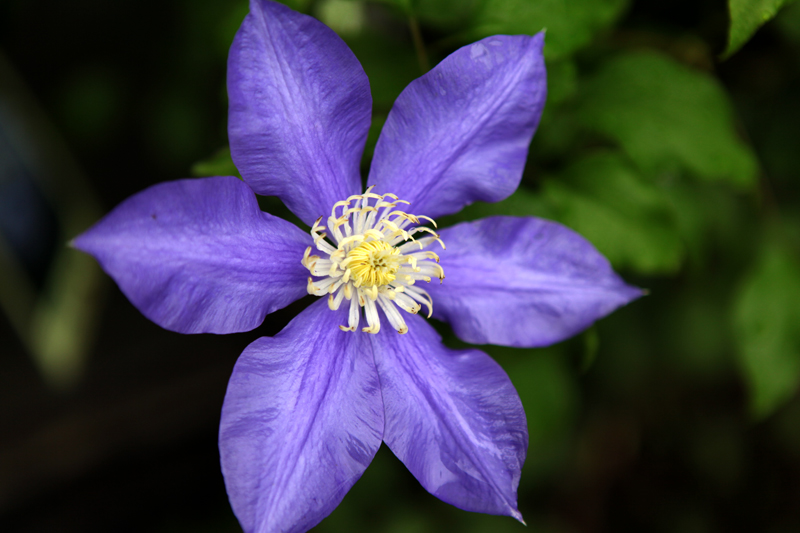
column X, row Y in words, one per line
column 306, row 410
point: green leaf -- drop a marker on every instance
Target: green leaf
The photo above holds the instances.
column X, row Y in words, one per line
column 375, row 128
column 746, row 17
column 667, row 117
column 570, row 24
column 626, row 217
column 345, row 17
column 297, row 5
column 390, row 66
column 604, row 199
column 789, row 22
column 520, row 204
column 404, row 5
column 219, row 164
column 445, row 13
column 562, row 82
column 767, row 324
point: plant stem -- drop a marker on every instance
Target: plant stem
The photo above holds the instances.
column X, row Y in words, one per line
column 419, row 46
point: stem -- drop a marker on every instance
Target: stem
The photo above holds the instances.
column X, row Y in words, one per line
column 419, row 46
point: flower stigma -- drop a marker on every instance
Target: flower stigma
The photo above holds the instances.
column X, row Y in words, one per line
column 373, row 260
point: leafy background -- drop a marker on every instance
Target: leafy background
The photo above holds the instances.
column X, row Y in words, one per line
column 670, row 140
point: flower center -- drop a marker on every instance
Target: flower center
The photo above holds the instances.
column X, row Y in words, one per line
column 373, row 260
column 373, row 263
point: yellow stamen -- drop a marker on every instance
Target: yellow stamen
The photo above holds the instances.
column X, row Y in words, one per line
column 373, row 263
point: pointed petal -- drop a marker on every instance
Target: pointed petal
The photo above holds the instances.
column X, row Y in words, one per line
column 453, row 418
column 299, row 111
column 302, row 420
column 460, row 133
column 523, row 282
column 198, row 256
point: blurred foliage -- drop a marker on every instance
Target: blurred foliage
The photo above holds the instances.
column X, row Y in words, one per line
column 667, row 117
column 628, row 218
column 767, row 320
column 570, row 24
column 746, row 17
column 789, row 22
column 219, row 164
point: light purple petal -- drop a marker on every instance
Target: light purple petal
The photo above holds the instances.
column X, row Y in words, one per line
column 460, row 133
column 453, row 418
column 302, row 420
column 299, row 111
column 198, row 256
column 523, row 282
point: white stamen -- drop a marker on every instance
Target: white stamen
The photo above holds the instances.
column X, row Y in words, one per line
column 368, row 255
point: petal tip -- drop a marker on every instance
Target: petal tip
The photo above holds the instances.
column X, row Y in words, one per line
column 514, row 513
column 634, row 293
column 539, row 38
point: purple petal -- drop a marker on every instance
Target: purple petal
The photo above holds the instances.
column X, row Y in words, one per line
column 453, row 418
column 299, row 110
column 302, row 420
column 460, row 133
column 198, row 256
column 523, row 282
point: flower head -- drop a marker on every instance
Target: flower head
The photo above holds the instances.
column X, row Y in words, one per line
column 306, row 410
column 375, row 262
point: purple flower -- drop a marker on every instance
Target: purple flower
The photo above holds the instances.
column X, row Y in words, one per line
column 306, row 410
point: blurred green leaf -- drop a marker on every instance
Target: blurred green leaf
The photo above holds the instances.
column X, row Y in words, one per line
column 604, row 199
column 591, row 344
column 570, row 24
column 297, row 5
column 219, row 164
column 445, row 13
column 522, row 203
column 627, row 218
column 375, row 128
column 404, row 5
column 227, row 25
column 390, row 66
column 562, row 82
column 709, row 219
column 550, row 398
column 558, row 129
column 789, row 22
column 746, row 17
column 345, row 17
column 767, row 324
column 667, row 117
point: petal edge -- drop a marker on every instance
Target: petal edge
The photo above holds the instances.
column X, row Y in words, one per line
column 453, row 418
column 199, row 256
column 524, row 282
column 461, row 132
column 301, row 421
column 300, row 109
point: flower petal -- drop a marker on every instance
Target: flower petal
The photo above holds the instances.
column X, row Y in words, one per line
column 302, row 420
column 460, row 133
column 453, row 418
column 198, row 256
column 523, row 282
column 299, row 111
